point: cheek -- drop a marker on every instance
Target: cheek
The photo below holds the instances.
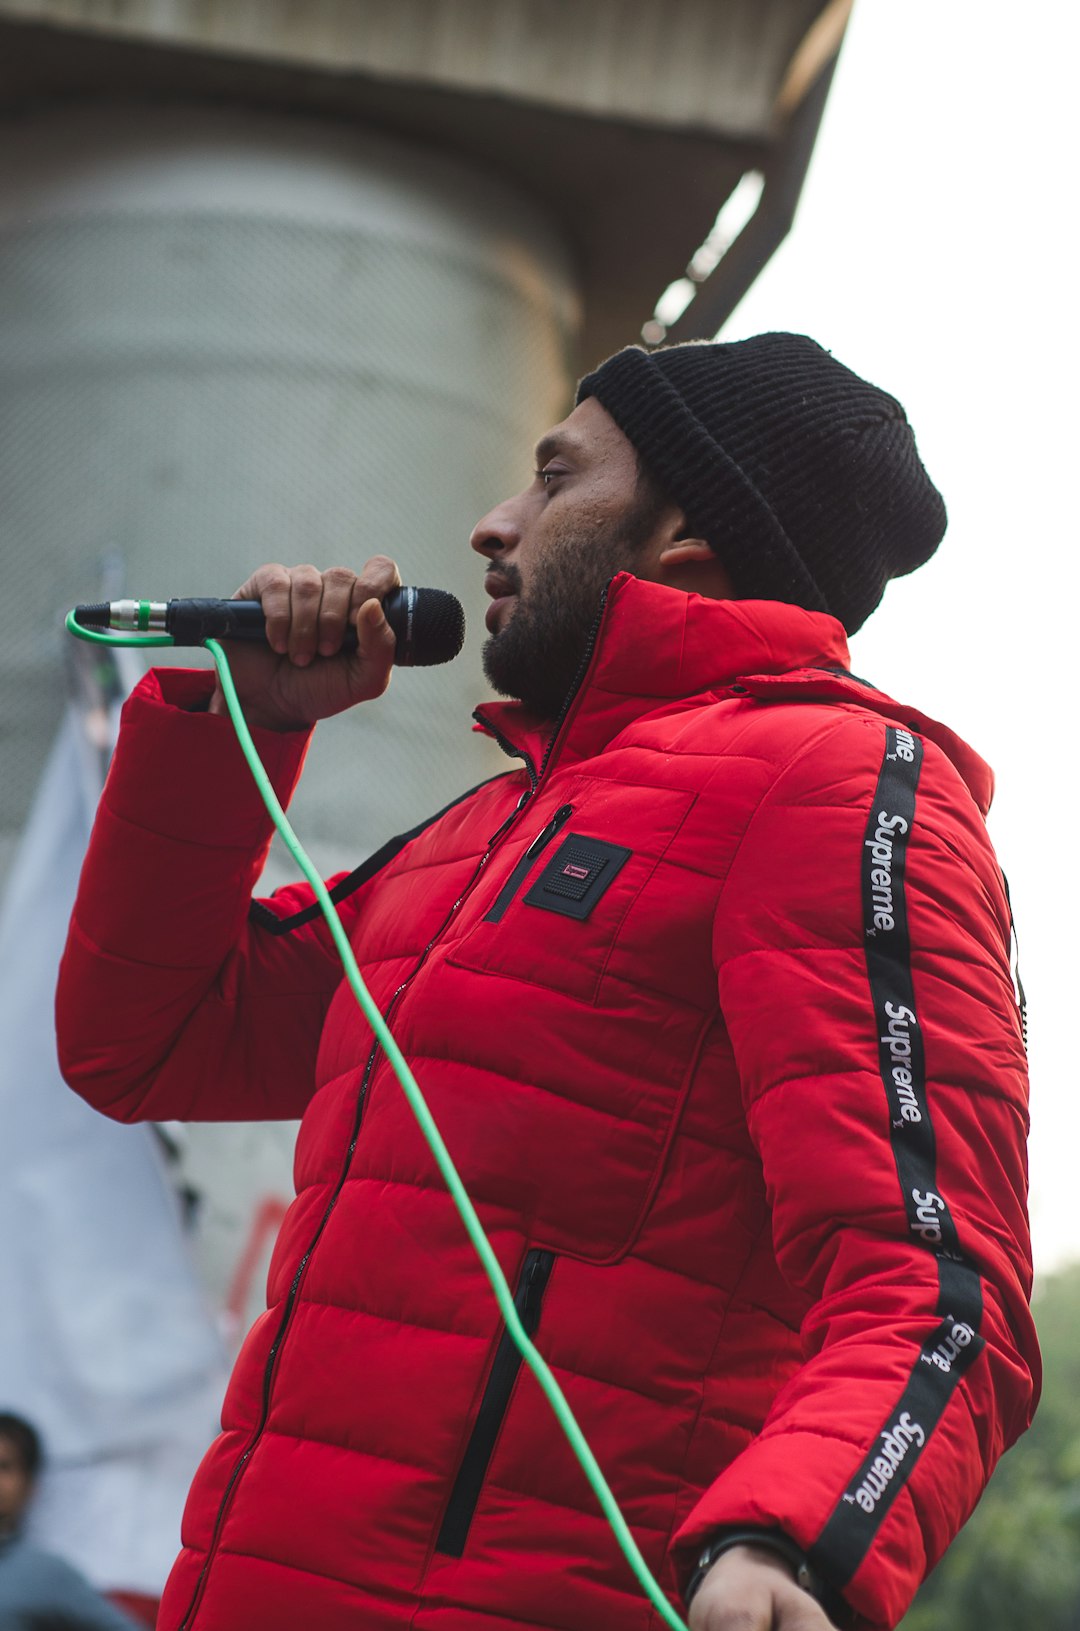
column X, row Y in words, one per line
column 555, row 571
column 568, row 558
column 538, row 559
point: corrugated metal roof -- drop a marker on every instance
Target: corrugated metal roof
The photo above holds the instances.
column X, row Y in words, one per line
column 713, row 65
column 630, row 121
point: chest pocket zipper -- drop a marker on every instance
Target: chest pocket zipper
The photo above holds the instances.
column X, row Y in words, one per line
column 521, row 871
column 535, row 1273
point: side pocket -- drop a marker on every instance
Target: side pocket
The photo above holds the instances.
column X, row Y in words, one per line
column 454, row 1531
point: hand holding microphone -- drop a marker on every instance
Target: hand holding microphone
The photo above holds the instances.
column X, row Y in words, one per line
column 308, row 614
column 280, row 685
column 289, row 616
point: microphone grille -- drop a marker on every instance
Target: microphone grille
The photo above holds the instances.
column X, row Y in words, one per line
column 437, row 630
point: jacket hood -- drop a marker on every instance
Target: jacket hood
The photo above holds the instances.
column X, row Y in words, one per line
column 656, row 645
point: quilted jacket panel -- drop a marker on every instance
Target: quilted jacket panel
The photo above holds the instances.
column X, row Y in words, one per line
column 658, row 1045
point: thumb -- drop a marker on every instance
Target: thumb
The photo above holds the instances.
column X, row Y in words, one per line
column 375, row 647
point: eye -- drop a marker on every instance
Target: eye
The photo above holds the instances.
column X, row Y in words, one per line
column 547, row 476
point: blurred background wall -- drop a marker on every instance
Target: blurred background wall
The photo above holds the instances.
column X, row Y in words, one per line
column 233, row 337
column 306, row 283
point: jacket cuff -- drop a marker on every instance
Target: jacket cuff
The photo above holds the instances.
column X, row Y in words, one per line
column 771, row 1540
column 168, row 740
column 787, row 1482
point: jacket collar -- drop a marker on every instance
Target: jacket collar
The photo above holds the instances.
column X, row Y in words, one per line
column 654, row 645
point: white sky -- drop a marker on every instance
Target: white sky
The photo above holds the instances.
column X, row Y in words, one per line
column 935, row 252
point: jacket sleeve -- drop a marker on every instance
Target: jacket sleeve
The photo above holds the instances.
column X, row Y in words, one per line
column 171, row 1004
column 863, row 953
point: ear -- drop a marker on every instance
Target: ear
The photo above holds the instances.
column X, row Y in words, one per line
column 681, row 551
column 693, row 565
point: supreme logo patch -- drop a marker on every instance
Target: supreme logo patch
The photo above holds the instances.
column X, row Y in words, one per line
column 577, row 875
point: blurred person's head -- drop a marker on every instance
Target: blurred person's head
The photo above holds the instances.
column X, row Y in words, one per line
column 759, row 469
column 20, row 1462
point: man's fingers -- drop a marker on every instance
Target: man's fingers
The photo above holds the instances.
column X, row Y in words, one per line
column 760, row 1611
column 305, row 600
column 271, row 586
column 799, row 1612
column 752, row 1611
column 374, row 582
column 334, row 609
column 307, row 611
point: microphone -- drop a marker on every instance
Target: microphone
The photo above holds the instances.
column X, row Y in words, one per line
column 429, row 624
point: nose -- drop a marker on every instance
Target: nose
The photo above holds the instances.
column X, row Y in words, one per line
column 498, row 532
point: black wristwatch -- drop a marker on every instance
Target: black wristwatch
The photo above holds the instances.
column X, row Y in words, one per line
column 769, row 1540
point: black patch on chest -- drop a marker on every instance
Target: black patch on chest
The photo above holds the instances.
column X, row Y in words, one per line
column 577, row 875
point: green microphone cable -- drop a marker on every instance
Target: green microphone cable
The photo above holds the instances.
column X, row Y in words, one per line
column 417, row 1103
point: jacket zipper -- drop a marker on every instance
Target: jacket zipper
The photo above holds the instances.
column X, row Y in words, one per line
column 536, row 1270
column 461, row 1507
column 521, row 871
column 579, row 680
column 534, row 775
column 286, row 1318
column 515, row 752
column 291, row 1298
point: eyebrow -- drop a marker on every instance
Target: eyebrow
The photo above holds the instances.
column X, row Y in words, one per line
column 553, row 443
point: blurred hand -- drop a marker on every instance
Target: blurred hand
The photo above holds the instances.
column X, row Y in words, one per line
column 751, row 1589
column 301, row 674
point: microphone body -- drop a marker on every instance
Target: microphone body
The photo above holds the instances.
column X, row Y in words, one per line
column 429, row 624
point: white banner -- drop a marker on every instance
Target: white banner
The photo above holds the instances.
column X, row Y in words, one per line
column 109, row 1346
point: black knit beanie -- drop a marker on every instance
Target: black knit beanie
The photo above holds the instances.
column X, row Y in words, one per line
column 803, row 478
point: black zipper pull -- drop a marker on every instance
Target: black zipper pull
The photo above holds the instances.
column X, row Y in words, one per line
column 518, row 875
column 532, row 1290
column 512, row 817
column 563, row 813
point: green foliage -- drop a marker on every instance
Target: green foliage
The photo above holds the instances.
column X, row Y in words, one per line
column 1017, row 1562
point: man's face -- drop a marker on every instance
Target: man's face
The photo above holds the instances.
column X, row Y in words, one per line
column 553, row 548
column 15, row 1486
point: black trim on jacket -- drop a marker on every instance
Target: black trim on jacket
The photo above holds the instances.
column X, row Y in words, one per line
column 263, row 918
column 954, row 1343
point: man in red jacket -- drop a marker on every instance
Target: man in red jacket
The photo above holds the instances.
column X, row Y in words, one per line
column 712, row 999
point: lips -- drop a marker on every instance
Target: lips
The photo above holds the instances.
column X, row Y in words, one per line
column 495, row 615
column 503, row 596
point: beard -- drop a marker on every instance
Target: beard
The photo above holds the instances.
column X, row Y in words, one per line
column 535, row 658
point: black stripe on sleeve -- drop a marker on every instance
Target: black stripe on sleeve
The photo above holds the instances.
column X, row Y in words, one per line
column 263, row 917
column 954, row 1343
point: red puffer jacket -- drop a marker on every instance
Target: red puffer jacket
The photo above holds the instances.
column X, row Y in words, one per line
column 712, row 1002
